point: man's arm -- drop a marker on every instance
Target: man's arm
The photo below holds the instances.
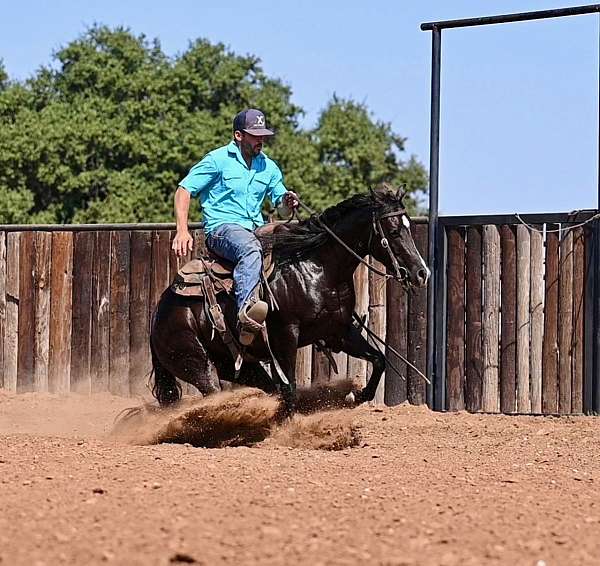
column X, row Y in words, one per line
column 183, row 241
column 198, row 182
column 285, row 201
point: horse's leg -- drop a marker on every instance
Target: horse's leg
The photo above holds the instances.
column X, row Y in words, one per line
column 356, row 345
column 284, row 344
column 165, row 389
column 186, row 358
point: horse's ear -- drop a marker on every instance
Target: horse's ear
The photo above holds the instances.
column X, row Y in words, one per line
column 400, row 192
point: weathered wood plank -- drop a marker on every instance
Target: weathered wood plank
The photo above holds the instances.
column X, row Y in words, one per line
column 101, row 313
column 550, row 344
column 536, row 309
column 303, row 366
column 119, row 313
column 474, row 309
column 341, row 361
column 61, row 311
column 139, row 304
column 377, row 315
column 2, row 303
column 83, row 266
column 565, row 324
column 357, row 369
column 159, row 273
column 578, row 319
column 175, row 263
column 417, row 328
column 508, row 331
column 491, row 313
column 523, row 323
column 43, row 254
column 455, row 357
column 396, row 328
column 199, row 243
column 25, row 361
column 320, row 368
column 11, row 335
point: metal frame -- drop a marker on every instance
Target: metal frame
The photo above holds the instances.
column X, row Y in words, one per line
column 436, row 295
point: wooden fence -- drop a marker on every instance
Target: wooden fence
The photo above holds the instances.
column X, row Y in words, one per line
column 75, row 311
column 515, row 318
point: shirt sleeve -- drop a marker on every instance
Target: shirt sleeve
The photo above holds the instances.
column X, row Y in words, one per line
column 201, row 177
column 276, row 187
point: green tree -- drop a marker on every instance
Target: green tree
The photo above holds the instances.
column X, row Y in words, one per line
column 107, row 131
column 3, row 76
column 357, row 152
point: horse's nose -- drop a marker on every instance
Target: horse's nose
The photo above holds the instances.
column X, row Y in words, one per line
column 422, row 276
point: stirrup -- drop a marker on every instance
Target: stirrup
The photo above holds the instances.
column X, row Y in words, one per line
column 252, row 321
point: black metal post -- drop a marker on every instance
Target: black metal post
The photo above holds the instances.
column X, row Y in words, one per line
column 595, row 386
column 434, row 159
column 588, row 320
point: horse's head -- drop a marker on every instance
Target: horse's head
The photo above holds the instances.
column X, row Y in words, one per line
column 391, row 240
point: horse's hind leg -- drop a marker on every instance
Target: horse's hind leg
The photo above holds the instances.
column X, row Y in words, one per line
column 165, row 389
column 184, row 357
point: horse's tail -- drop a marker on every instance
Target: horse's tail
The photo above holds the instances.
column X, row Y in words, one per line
column 165, row 388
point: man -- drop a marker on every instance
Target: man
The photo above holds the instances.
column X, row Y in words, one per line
column 232, row 183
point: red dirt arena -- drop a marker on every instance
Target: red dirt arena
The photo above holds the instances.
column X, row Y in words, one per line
column 396, row 486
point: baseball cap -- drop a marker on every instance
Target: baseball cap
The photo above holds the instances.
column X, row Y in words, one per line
column 252, row 122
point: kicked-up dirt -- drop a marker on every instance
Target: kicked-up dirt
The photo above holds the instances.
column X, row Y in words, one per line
column 396, row 486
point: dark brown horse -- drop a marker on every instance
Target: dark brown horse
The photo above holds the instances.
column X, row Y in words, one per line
column 313, row 285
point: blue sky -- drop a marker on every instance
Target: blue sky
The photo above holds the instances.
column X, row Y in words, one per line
column 519, row 104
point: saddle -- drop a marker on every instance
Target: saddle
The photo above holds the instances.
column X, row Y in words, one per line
column 190, row 279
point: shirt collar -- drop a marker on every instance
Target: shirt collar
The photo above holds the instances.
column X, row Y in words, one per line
column 232, row 148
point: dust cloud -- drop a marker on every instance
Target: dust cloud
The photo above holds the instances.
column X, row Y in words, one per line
column 245, row 417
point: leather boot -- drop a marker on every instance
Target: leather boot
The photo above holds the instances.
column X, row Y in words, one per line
column 252, row 319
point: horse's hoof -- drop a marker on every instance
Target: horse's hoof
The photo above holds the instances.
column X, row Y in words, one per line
column 354, row 398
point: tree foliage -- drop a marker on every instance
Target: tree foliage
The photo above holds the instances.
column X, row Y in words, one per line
column 106, row 132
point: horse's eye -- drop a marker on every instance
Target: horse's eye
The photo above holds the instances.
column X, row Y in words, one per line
column 394, row 232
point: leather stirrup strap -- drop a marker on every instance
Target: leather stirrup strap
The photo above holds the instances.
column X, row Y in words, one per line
column 218, row 320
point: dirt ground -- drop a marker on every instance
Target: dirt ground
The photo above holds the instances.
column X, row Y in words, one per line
column 405, row 486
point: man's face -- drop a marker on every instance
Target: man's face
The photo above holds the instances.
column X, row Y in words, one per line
column 250, row 145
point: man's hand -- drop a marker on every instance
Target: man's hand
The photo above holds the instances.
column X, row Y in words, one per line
column 290, row 200
column 182, row 243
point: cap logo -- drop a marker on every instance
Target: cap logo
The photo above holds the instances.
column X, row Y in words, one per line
column 260, row 121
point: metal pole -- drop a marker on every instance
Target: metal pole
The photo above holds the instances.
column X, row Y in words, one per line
column 434, row 158
column 596, row 267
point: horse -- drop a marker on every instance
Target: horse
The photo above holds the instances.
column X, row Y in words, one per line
column 313, row 285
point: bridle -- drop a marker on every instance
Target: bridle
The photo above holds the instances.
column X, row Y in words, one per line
column 401, row 273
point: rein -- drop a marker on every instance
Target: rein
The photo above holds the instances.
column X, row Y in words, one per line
column 400, row 271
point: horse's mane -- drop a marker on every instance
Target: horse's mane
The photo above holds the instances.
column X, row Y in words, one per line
column 295, row 241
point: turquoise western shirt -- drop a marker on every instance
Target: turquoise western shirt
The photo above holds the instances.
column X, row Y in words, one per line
column 229, row 191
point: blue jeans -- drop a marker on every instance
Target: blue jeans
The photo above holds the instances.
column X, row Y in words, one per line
column 240, row 246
